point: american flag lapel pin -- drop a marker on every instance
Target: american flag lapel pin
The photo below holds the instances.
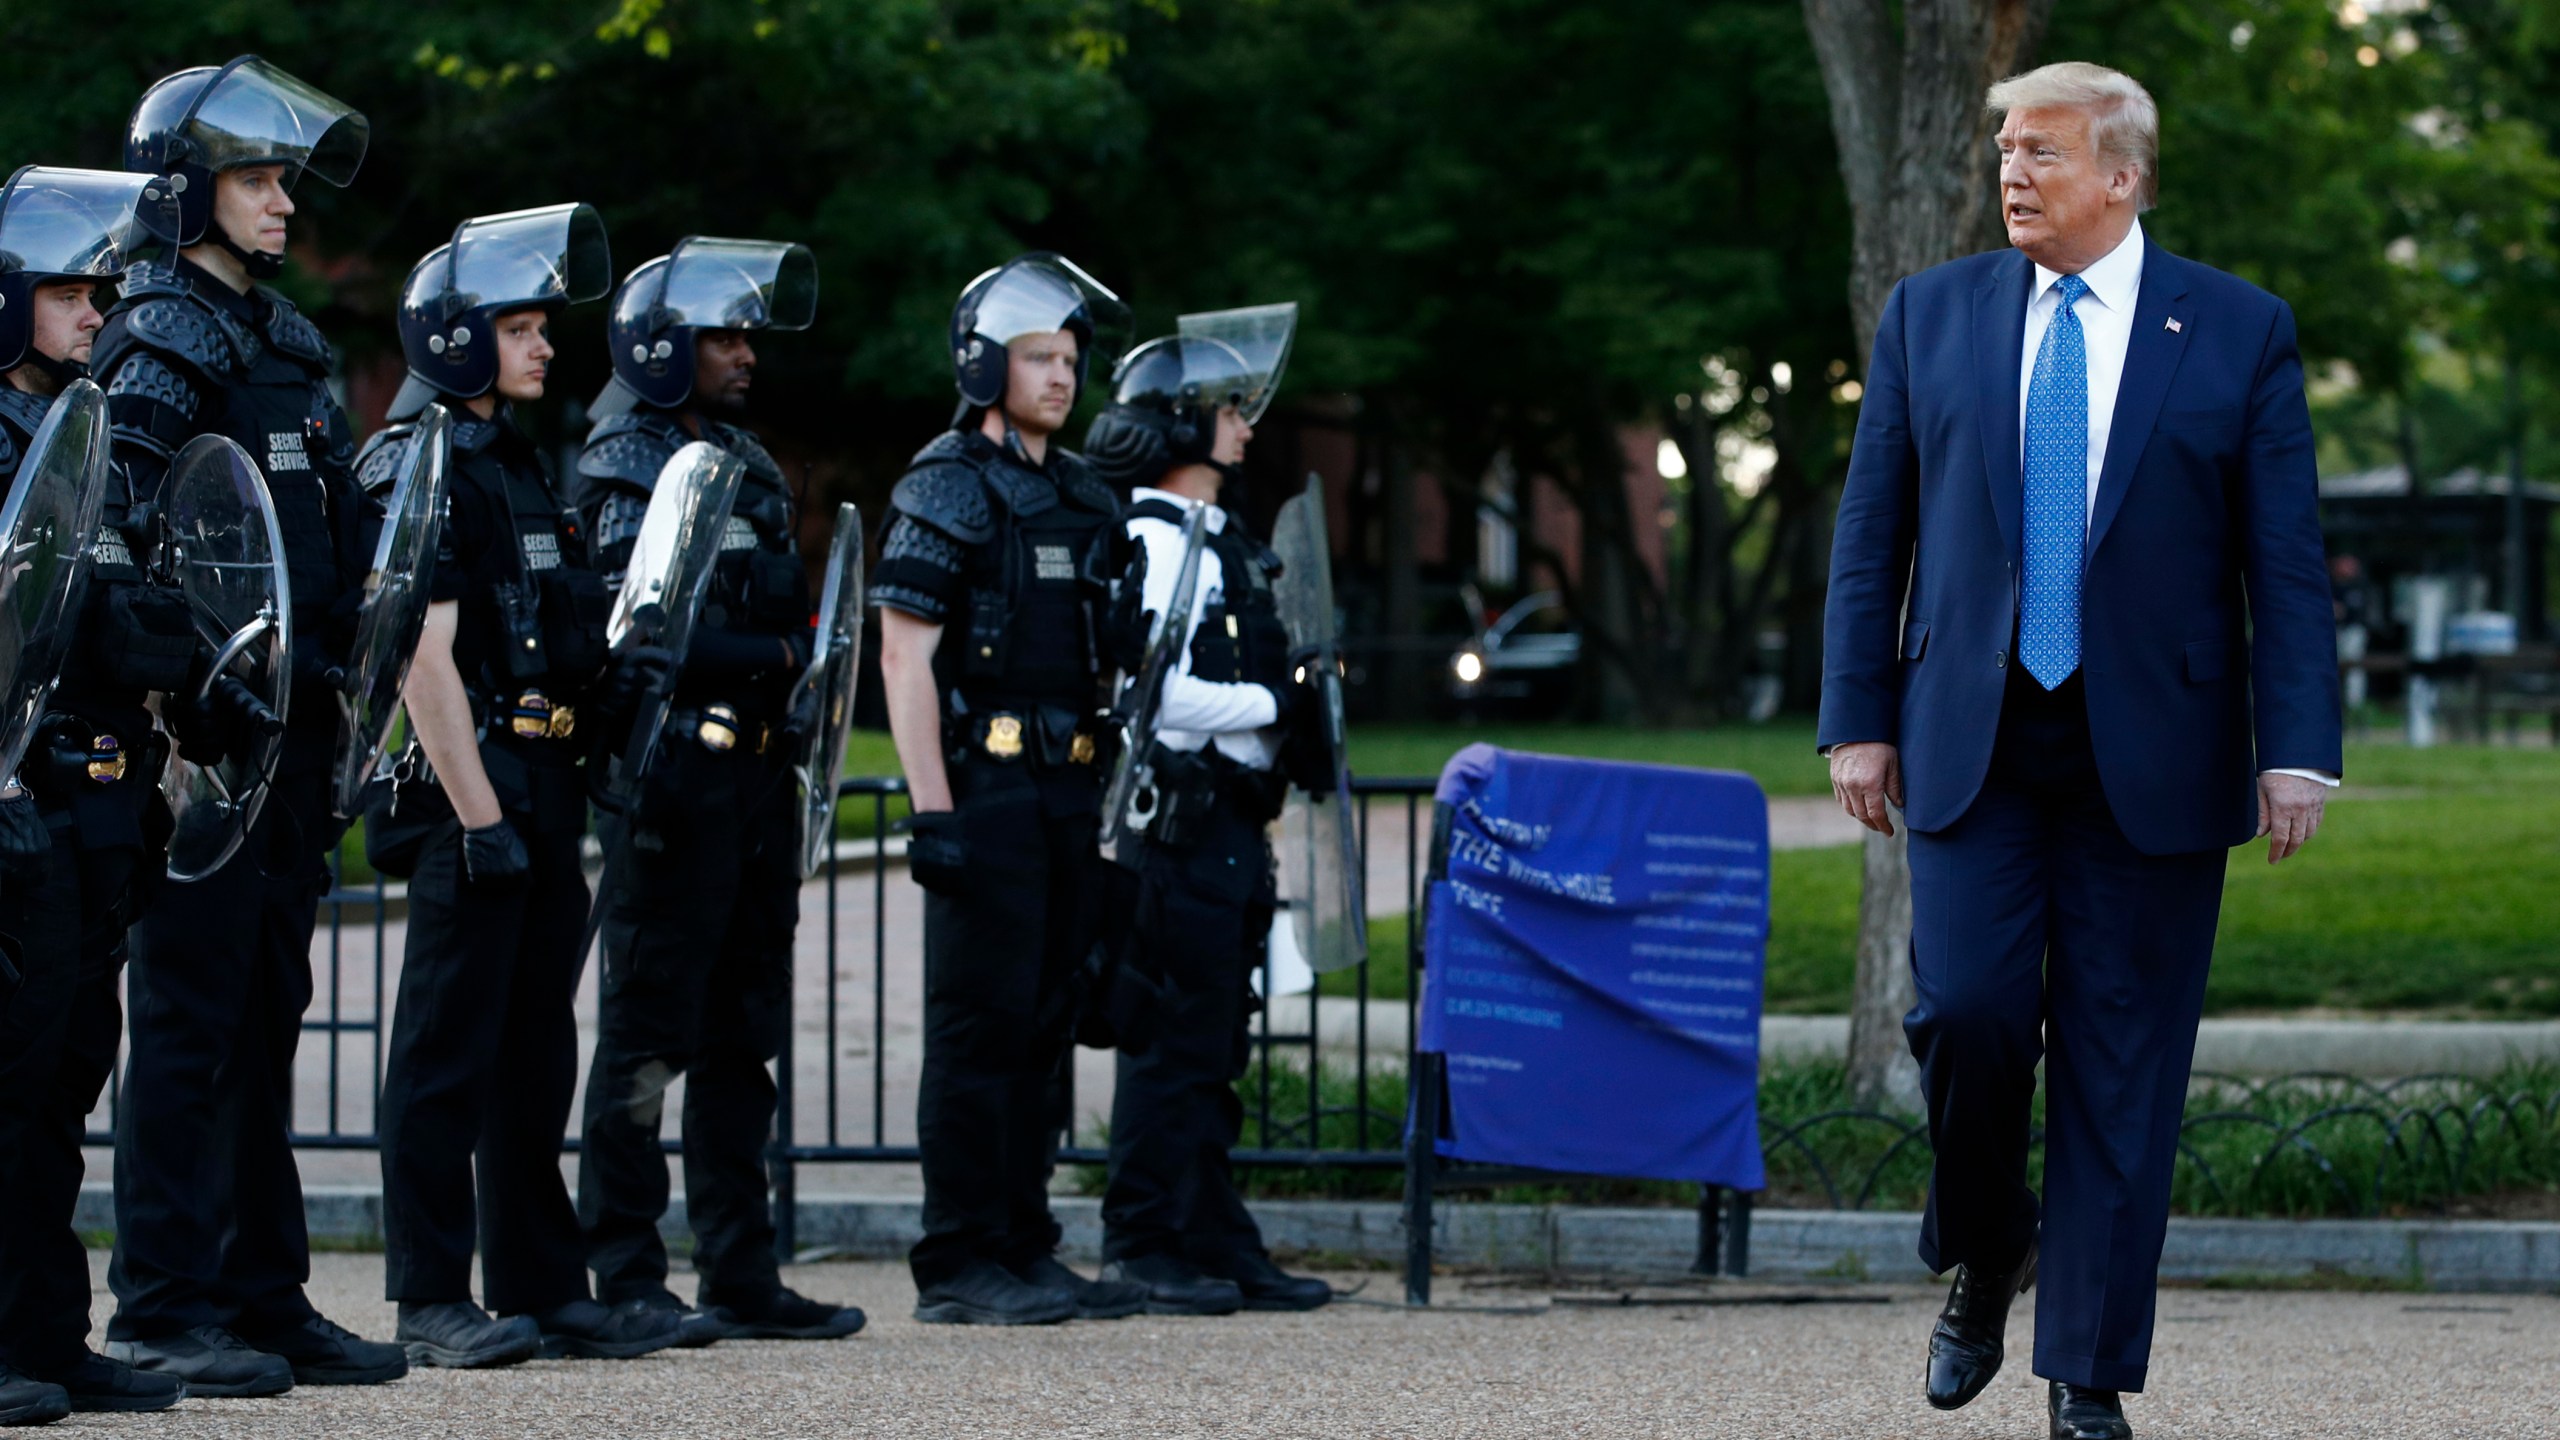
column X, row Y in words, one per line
column 2174, row 326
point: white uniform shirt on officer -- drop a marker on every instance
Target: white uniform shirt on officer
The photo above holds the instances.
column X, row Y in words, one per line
column 1195, row 712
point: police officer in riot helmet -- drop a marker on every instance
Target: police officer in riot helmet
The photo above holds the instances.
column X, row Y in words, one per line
column 79, row 841
column 1181, row 415
column 988, row 589
column 702, row 885
column 509, row 673
column 211, row 1255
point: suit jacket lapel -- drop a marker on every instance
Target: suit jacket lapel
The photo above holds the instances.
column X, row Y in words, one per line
column 1999, row 334
column 2150, row 361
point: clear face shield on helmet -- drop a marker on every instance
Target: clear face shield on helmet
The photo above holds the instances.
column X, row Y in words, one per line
column 1234, row 358
column 74, row 224
column 1041, row 295
column 255, row 114
column 712, row 283
column 555, row 255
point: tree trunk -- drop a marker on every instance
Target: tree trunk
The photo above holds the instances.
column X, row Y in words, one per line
column 1906, row 113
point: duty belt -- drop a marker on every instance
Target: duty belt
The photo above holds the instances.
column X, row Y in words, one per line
column 718, row 728
column 532, row 715
column 1009, row 735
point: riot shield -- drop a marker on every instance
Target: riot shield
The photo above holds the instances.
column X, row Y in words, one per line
column 223, row 550
column 46, row 528
column 394, row 609
column 1323, row 885
column 1131, row 800
column 822, row 703
column 661, row 593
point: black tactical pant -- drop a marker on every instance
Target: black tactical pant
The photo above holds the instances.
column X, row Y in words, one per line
column 1002, row 957
column 703, row 897
column 209, row 1226
column 58, row 1034
column 1202, row 924
column 476, row 1088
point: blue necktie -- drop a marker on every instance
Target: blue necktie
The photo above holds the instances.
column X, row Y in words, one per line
column 2057, row 475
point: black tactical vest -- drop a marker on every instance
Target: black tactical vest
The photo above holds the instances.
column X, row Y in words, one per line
column 1239, row 637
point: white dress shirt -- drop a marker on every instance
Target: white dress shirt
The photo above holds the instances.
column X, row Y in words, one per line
column 1233, row 716
column 2106, row 327
column 2106, row 330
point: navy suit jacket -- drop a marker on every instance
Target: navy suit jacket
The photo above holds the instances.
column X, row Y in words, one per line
column 2207, row 643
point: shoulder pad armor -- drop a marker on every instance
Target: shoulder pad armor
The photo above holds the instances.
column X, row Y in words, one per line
column 203, row 339
column 751, row 453
column 1024, row 492
column 1082, row 486
column 628, row 449
column 383, row 456
column 20, row 414
column 945, row 488
column 292, row 332
column 1153, row 508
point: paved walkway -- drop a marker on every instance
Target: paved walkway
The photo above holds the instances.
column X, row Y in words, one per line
column 2244, row 1366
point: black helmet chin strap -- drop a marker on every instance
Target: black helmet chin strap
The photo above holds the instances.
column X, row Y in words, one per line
column 60, row 372
column 259, row 264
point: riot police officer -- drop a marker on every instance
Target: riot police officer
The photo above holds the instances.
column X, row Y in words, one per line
column 702, row 890
column 483, row 1056
column 211, row 1254
column 1181, row 415
column 988, row 589
column 80, row 843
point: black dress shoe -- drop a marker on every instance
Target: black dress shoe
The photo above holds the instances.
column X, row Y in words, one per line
column 213, row 1362
column 1965, row 1347
column 28, row 1401
column 1095, row 1299
column 1266, row 1286
column 785, row 1314
column 97, row 1384
column 2080, row 1413
column 324, row 1352
column 458, row 1335
column 1176, row 1287
column 988, row 1294
column 586, row 1330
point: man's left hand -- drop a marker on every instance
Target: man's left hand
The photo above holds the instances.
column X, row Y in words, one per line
column 2289, row 809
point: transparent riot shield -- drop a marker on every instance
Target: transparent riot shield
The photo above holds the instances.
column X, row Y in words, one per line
column 46, row 527
column 226, row 556
column 394, row 609
column 661, row 593
column 1131, row 801
column 822, row 703
column 1323, row 885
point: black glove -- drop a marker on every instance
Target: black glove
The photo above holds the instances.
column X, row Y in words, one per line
column 937, row 849
column 23, row 836
column 229, row 721
column 149, row 640
column 1123, row 632
column 633, row 673
column 494, row 852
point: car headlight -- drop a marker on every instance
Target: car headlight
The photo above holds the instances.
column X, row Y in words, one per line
column 1470, row 667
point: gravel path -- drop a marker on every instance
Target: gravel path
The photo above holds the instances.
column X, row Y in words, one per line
column 2228, row 1364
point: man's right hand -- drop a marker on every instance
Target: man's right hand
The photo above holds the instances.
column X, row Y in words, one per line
column 1864, row 776
column 937, row 850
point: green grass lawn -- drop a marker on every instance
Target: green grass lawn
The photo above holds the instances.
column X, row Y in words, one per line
column 1780, row 755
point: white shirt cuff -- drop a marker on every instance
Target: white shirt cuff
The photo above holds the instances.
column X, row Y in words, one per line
column 2323, row 776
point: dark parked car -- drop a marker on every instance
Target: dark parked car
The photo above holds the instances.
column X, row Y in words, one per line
column 1522, row 662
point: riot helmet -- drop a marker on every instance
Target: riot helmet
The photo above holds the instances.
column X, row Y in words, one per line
column 549, row 258
column 1166, row 395
column 195, row 124
column 1035, row 294
column 705, row 283
column 64, row 225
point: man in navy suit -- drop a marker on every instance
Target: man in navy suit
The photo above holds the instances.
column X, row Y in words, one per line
column 2079, row 629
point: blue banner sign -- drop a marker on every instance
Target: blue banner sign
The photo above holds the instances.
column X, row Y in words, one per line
column 1593, row 964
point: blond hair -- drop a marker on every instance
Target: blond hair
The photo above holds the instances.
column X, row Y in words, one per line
column 2124, row 123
